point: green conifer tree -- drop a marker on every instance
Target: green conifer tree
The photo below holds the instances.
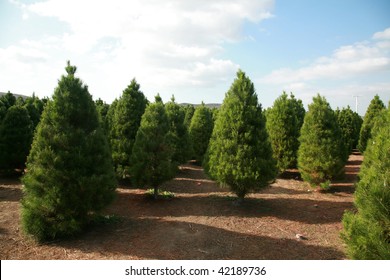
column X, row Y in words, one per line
column 240, row 154
column 373, row 110
column 321, row 155
column 200, row 131
column 367, row 232
column 152, row 152
column 126, row 121
column 70, row 173
column 178, row 132
column 349, row 123
column 34, row 107
column 8, row 100
column 16, row 133
column 189, row 113
column 3, row 110
column 102, row 109
column 284, row 121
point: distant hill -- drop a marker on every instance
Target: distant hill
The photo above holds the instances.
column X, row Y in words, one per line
column 16, row 95
column 209, row 105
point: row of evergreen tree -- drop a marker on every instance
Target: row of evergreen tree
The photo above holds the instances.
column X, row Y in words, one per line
column 80, row 146
column 18, row 120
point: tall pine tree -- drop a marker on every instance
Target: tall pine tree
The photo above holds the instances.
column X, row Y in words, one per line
column 125, row 123
column 373, row 110
column 70, row 173
column 200, row 131
column 152, row 151
column 350, row 124
column 240, row 154
column 321, row 155
column 16, row 133
column 284, row 121
column 178, row 132
column 367, row 232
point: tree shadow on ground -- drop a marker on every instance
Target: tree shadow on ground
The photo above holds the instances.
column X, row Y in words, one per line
column 159, row 239
column 294, row 209
column 10, row 193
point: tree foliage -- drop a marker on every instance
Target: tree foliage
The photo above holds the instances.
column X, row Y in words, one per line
column 152, row 151
column 367, row 232
column 8, row 100
column 178, row 132
column 189, row 113
column 16, row 133
column 125, row 123
column 373, row 110
column 350, row 124
column 35, row 107
column 284, row 121
column 70, row 173
column 102, row 109
column 200, row 131
column 321, row 155
column 240, row 154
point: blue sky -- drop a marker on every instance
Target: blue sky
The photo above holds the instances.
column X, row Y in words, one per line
column 192, row 49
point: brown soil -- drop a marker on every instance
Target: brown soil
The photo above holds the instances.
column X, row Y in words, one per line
column 203, row 221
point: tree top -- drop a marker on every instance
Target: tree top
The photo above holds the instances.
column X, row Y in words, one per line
column 70, row 69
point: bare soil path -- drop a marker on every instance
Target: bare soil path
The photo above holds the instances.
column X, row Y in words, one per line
column 201, row 222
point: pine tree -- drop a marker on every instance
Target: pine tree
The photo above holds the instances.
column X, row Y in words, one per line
column 34, row 107
column 189, row 113
column 126, row 121
column 367, row 232
column 3, row 110
column 178, row 132
column 70, row 174
column 200, row 131
column 240, row 154
column 152, row 154
column 8, row 99
column 102, row 109
column 321, row 155
column 284, row 121
column 373, row 110
column 16, row 133
column 349, row 123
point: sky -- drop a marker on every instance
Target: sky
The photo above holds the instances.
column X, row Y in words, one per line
column 192, row 49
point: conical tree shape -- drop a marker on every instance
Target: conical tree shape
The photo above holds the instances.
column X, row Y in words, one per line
column 178, row 131
column 284, row 121
column 373, row 110
column 367, row 233
column 321, row 154
column 125, row 123
column 350, row 124
column 16, row 133
column 70, row 172
column 152, row 153
column 239, row 153
column 200, row 131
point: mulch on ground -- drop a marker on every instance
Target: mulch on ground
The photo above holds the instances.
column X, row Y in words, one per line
column 288, row 220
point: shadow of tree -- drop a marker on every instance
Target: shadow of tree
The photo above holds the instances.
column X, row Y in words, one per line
column 136, row 238
column 10, row 192
column 294, row 209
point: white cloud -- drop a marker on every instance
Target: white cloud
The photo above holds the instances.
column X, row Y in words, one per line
column 383, row 35
column 165, row 44
column 361, row 69
column 345, row 62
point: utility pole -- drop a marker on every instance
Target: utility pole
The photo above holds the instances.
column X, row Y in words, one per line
column 356, row 103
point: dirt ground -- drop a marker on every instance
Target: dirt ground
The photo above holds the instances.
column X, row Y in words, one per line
column 202, row 221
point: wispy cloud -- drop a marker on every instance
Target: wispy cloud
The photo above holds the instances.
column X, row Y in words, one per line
column 347, row 61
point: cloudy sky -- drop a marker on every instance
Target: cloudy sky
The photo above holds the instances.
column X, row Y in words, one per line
column 193, row 48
